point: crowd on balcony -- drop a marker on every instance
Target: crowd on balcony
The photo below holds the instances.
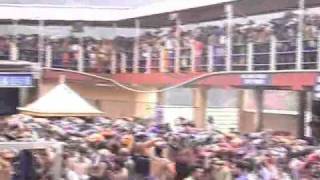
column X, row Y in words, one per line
column 65, row 52
column 192, row 44
column 28, row 47
column 135, row 150
column 4, row 48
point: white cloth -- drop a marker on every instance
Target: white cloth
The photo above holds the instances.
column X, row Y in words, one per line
column 71, row 175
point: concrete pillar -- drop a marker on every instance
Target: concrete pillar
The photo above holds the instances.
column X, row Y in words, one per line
column 48, row 56
column 81, row 59
column 41, row 43
column 162, row 67
column 13, row 51
column 27, row 95
column 145, row 104
column 178, row 46
column 273, row 53
column 114, row 60
column 123, row 68
column 136, row 48
column 241, row 110
column 193, row 59
column 23, row 96
column 315, row 123
column 161, row 98
column 229, row 14
column 302, row 109
column 259, row 109
column 300, row 35
column 200, row 106
column 159, row 109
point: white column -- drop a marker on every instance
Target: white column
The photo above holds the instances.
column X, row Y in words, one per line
column 229, row 14
column 123, row 62
column 13, row 51
column 48, row 56
column 41, row 43
column 114, row 57
column 200, row 97
column 161, row 60
column 299, row 54
column 258, row 95
column 177, row 57
column 23, row 96
column 250, row 56
column 113, row 62
column 136, row 51
column 148, row 60
column 193, row 59
column 81, row 59
column 273, row 53
column 210, row 58
column 178, row 47
column 302, row 113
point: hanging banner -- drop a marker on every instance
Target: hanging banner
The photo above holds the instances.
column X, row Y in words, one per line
column 255, row 79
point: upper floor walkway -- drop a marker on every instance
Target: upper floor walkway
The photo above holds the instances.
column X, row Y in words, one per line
column 286, row 41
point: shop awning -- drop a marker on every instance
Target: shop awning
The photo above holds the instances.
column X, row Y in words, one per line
column 61, row 101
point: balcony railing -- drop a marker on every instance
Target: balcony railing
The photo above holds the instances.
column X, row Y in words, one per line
column 247, row 57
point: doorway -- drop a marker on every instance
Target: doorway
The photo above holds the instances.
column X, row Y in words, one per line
column 9, row 101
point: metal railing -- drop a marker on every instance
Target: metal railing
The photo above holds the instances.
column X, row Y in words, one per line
column 247, row 57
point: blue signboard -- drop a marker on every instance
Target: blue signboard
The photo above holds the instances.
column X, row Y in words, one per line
column 16, row 80
column 256, row 79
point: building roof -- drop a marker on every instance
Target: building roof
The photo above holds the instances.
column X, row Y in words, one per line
column 61, row 101
column 153, row 15
column 99, row 14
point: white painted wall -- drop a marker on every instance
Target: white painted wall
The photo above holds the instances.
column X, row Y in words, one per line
column 171, row 113
column 224, row 118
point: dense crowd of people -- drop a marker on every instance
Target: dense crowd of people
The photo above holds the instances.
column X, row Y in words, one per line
column 4, row 48
column 124, row 149
column 163, row 44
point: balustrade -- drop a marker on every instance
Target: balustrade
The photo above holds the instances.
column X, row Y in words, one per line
column 181, row 54
column 270, row 56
